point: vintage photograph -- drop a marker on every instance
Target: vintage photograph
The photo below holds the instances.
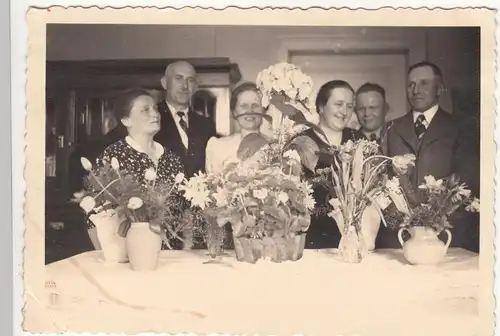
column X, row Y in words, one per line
column 263, row 179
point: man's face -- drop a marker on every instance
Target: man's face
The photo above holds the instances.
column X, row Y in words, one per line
column 424, row 88
column 180, row 83
column 371, row 110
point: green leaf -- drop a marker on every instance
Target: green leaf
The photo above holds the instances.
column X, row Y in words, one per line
column 250, row 145
column 307, row 148
column 357, row 168
column 280, row 102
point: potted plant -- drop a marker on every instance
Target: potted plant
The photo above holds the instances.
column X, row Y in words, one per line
column 357, row 181
column 137, row 215
column 267, row 207
column 429, row 216
column 99, row 199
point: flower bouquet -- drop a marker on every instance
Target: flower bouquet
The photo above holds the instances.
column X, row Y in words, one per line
column 267, row 207
column 357, row 181
column 425, row 219
column 121, row 204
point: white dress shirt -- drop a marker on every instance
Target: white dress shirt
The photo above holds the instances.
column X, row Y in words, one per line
column 177, row 119
column 429, row 114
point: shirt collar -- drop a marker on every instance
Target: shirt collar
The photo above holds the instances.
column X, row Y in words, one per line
column 429, row 114
column 173, row 111
column 159, row 150
column 377, row 133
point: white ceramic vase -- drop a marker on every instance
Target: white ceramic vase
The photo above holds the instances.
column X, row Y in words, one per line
column 370, row 224
column 113, row 246
column 424, row 247
column 143, row 246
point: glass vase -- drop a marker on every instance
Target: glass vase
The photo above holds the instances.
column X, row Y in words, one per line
column 352, row 248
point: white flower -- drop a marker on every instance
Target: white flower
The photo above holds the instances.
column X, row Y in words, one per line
column 335, row 203
column 432, row 184
column 195, row 190
column 309, row 202
column 283, row 197
column 87, row 204
column 292, row 155
column 134, row 203
column 463, row 192
column 221, row 197
column 402, row 162
column 179, row 178
column 260, row 193
column 115, row 164
column 474, row 206
column 150, row 174
column 86, row 164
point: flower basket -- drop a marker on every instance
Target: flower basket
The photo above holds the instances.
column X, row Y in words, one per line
column 275, row 249
column 113, row 246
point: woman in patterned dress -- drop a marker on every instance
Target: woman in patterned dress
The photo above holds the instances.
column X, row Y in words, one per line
column 138, row 152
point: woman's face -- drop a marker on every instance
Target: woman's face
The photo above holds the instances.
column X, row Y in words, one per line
column 248, row 102
column 338, row 109
column 143, row 116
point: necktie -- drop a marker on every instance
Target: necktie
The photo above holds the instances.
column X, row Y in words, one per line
column 182, row 122
column 373, row 137
column 420, row 126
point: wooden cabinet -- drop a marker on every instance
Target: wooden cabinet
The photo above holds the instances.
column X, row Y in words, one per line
column 79, row 104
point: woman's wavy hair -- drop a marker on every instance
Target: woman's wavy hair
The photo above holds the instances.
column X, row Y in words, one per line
column 124, row 102
column 326, row 90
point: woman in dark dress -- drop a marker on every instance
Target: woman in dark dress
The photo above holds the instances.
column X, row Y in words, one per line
column 138, row 152
column 335, row 105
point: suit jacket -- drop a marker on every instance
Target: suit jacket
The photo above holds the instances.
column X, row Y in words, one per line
column 199, row 132
column 440, row 152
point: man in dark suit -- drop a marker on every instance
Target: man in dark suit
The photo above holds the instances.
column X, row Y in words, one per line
column 182, row 129
column 430, row 133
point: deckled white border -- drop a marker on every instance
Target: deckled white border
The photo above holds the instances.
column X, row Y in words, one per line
column 19, row 52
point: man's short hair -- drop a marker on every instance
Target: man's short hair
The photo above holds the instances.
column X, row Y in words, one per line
column 435, row 69
column 371, row 87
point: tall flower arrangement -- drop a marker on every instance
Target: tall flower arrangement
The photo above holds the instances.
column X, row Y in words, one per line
column 262, row 194
column 358, row 178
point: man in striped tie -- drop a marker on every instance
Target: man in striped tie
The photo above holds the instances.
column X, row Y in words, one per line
column 433, row 135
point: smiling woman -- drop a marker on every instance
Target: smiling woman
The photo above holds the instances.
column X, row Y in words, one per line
column 335, row 104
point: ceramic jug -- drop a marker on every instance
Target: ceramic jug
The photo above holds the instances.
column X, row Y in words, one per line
column 424, row 247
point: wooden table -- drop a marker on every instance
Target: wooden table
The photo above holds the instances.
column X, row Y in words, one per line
column 318, row 295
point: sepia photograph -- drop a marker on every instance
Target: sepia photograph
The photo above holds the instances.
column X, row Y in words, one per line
column 287, row 175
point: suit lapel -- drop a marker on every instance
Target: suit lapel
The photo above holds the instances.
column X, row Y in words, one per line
column 438, row 128
column 406, row 130
column 169, row 129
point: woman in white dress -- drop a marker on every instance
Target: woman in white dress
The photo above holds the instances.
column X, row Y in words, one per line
column 246, row 109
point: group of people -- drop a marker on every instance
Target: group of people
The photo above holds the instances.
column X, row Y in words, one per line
column 171, row 137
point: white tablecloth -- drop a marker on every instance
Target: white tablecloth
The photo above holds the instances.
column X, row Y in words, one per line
column 318, row 295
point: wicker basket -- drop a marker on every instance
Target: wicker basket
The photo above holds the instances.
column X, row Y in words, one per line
column 276, row 249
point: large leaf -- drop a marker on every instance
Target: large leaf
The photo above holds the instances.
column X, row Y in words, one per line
column 357, row 168
column 280, row 101
column 307, row 148
column 250, row 145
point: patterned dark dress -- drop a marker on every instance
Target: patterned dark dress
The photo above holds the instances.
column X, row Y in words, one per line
column 323, row 232
column 135, row 162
